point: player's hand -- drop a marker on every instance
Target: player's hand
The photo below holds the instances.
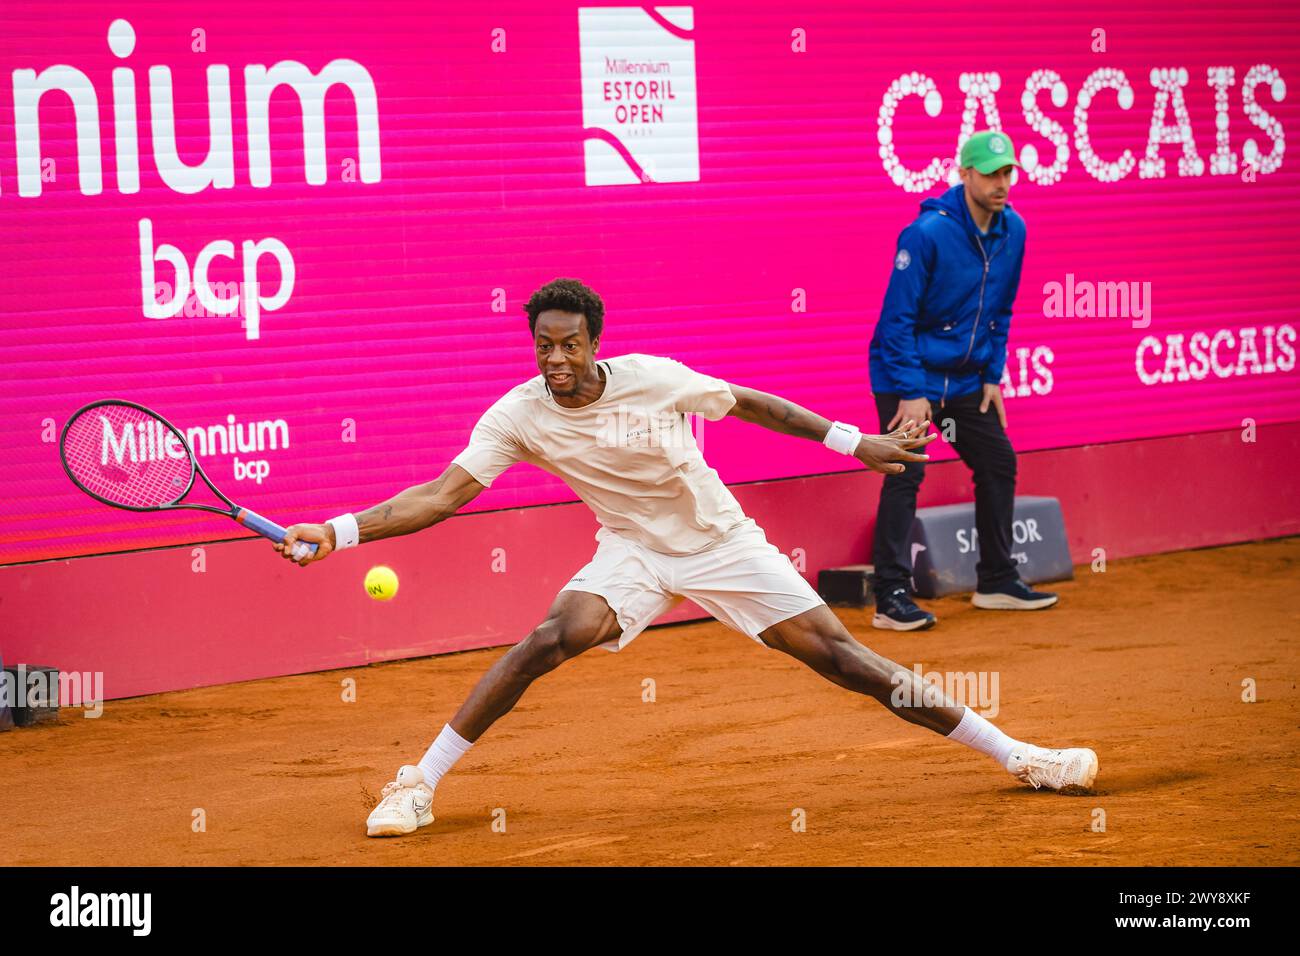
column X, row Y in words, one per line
column 911, row 410
column 993, row 396
column 321, row 535
column 884, row 453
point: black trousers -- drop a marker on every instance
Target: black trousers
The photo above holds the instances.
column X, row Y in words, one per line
column 982, row 444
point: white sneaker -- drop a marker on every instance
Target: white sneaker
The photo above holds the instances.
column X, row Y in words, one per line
column 405, row 805
column 1064, row 770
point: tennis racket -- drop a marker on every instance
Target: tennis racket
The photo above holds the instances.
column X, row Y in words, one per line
column 129, row 457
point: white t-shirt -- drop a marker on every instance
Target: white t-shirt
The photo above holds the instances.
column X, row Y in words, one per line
column 630, row 455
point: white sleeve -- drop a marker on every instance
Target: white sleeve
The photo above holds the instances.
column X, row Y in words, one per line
column 492, row 448
column 692, row 392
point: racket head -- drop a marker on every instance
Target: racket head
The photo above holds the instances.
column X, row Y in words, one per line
column 115, row 451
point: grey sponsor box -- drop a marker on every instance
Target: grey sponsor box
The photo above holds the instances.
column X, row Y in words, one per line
column 945, row 546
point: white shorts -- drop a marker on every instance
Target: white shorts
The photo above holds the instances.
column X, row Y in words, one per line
column 742, row 580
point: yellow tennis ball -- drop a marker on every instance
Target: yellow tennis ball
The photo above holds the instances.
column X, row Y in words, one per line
column 381, row 583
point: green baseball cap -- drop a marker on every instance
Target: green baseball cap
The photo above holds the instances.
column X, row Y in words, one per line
column 988, row 151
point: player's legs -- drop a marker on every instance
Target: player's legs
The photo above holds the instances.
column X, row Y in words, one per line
column 818, row 639
column 576, row 622
column 608, row 602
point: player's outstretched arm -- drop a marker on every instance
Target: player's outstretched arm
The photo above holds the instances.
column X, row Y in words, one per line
column 414, row 509
column 882, row 453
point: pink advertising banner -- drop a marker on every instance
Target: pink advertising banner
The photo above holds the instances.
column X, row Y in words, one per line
column 304, row 231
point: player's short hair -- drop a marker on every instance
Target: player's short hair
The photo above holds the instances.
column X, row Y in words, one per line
column 568, row 295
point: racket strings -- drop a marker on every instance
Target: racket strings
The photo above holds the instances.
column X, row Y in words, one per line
column 124, row 454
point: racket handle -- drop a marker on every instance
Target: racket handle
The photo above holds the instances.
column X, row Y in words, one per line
column 269, row 529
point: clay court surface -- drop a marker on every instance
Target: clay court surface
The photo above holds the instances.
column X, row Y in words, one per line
column 1144, row 664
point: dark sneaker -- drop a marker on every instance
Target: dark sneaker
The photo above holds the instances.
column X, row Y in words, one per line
column 1016, row 596
column 895, row 611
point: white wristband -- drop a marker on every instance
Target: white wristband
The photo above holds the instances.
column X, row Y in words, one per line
column 842, row 438
column 346, row 532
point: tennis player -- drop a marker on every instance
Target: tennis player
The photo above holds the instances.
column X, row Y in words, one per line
column 615, row 431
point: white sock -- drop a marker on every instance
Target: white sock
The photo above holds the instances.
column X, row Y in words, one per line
column 442, row 753
column 978, row 734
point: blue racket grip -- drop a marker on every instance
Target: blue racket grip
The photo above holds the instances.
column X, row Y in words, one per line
column 269, row 529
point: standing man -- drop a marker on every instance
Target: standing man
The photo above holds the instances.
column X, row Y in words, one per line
column 938, row 354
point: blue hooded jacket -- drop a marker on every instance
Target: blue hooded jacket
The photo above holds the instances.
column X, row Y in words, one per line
column 943, row 326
